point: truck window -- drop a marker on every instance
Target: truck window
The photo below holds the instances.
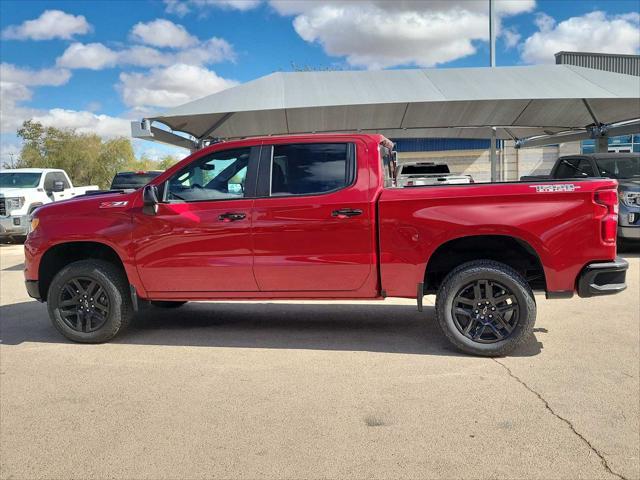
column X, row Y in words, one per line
column 425, row 169
column 574, row 168
column 311, row 168
column 218, row 176
column 52, row 177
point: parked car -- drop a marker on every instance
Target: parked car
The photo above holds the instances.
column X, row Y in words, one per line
column 624, row 167
column 412, row 174
column 320, row 217
column 133, row 180
column 22, row 190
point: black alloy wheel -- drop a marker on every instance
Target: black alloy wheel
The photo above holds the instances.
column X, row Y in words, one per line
column 485, row 307
column 84, row 304
column 485, row 311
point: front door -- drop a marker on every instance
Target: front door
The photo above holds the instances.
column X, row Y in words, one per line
column 313, row 225
column 200, row 238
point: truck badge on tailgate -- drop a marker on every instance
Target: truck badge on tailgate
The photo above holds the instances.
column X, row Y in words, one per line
column 565, row 187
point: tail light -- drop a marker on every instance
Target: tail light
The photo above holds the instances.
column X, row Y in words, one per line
column 609, row 223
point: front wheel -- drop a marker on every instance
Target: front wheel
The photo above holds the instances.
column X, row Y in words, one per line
column 485, row 308
column 89, row 301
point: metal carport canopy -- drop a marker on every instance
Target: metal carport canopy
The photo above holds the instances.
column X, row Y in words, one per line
column 520, row 102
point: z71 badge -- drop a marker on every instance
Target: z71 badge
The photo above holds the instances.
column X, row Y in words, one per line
column 565, row 187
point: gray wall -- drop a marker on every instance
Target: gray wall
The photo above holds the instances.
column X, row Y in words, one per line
column 629, row 64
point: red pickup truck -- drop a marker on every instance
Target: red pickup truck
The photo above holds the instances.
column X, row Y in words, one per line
column 320, row 217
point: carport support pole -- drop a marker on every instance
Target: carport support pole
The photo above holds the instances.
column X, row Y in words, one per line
column 492, row 34
column 493, row 158
column 602, row 144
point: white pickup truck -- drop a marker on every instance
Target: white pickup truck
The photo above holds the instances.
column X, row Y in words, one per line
column 414, row 174
column 22, row 190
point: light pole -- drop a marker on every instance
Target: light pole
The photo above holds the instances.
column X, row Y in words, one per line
column 495, row 174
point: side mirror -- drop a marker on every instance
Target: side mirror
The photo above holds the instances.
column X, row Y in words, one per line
column 150, row 199
column 58, row 186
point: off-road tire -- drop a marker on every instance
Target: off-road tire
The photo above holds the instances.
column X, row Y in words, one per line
column 114, row 283
column 492, row 271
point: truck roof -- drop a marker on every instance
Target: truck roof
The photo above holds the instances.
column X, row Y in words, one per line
column 596, row 156
column 306, row 136
column 32, row 170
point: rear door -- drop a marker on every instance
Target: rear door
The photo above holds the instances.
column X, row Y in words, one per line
column 312, row 223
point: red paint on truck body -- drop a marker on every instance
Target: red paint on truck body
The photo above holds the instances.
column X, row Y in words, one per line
column 293, row 247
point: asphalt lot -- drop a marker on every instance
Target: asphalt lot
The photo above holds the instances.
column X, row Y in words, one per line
column 318, row 390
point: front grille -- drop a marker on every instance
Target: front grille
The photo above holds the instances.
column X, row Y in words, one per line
column 3, row 207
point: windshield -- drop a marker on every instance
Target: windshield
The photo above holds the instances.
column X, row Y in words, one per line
column 19, row 180
column 623, row 167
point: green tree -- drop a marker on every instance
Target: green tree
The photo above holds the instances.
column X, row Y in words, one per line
column 88, row 159
column 166, row 162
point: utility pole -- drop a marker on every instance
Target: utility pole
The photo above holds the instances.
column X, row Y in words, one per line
column 492, row 33
column 495, row 174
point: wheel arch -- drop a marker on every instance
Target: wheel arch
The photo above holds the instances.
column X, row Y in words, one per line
column 62, row 254
column 507, row 249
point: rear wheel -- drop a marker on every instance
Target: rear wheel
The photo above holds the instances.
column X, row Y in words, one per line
column 89, row 301
column 485, row 308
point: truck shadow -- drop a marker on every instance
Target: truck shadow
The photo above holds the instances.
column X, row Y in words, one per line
column 351, row 327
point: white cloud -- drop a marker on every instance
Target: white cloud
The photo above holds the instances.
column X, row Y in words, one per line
column 14, row 91
column 182, row 7
column 163, row 33
column 168, row 87
column 51, row 24
column 85, row 122
column 383, row 33
column 12, row 113
column 94, row 56
column 27, row 76
column 511, row 37
column 592, row 32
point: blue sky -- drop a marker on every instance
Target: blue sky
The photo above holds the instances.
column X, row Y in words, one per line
column 94, row 65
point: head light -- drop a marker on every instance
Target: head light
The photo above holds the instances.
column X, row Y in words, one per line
column 630, row 199
column 14, row 203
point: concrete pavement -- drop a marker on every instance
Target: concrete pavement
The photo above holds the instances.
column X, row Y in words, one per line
column 318, row 390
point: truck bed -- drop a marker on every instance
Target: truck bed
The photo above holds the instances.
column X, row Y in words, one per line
column 559, row 220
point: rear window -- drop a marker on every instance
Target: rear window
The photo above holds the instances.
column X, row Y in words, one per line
column 311, row 168
column 424, row 169
column 132, row 180
column 574, row 168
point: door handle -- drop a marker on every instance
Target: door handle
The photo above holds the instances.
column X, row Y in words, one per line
column 231, row 217
column 346, row 212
